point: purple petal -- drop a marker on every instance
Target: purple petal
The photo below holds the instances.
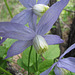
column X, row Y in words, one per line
column 32, row 23
column 28, row 3
column 32, row 3
column 51, row 15
column 17, row 48
column 3, row 39
column 68, row 50
column 24, row 3
column 16, row 31
column 67, row 63
column 23, row 17
column 53, row 39
column 48, row 70
column 58, row 71
column 43, row 2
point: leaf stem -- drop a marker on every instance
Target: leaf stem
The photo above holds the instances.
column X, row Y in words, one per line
column 36, row 63
column 8, row 8
column 3, row 70
column 29, row 58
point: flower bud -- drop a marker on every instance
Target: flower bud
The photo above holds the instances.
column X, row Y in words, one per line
column 40, row 9
column 40, row 44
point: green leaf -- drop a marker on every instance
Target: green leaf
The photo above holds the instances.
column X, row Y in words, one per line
column 4, row 74
column 37, row 73
column 22, row 65
column 2, row 51
column 32, row 57
column 45, row 65
column 3, row 63
column 52, row 52
column 70, row 73
column 8, row 42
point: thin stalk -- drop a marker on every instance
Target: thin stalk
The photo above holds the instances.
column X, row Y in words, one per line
column 36, row 63
column 8, row 8
column 3, row 70
column 29, row 58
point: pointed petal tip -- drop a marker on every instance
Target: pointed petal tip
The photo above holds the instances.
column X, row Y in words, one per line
column 48, row 70
column 53, row 39
column 61, row 40
column 6, row 57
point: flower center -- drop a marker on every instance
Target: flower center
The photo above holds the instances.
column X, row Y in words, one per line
column 40, row 44
column 40, row 9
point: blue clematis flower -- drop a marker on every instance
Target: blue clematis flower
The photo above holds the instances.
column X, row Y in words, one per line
column 63, row 64
column 25, row 35
column 28, row 15
column 33, row 8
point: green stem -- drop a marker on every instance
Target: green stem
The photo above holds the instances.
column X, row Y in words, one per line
column 29, row 58
column 36, row 63
column 3, row 70
column 8, row 8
